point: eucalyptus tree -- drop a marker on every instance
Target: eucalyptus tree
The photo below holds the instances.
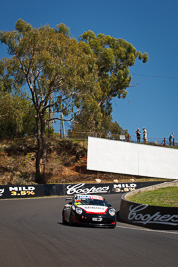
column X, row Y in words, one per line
column 49, row 62
column 114, row 59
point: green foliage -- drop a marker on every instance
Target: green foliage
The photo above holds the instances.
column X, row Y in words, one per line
column 62, row 28
column 113, row 128
column 86, row 123
column 16, row 116
column 49, row 62
column 114, row 57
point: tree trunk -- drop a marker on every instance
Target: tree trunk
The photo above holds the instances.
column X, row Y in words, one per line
column 50, row 123
column 41, row 149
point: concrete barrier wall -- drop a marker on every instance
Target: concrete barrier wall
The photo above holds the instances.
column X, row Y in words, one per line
column 154, row 217
column 133, row 159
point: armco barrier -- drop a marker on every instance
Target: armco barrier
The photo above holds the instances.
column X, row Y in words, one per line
column 30, row 191
column 153, row 217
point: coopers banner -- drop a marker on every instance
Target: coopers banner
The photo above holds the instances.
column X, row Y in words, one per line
column 133, row 159
column 148, row 216
column 30, row 191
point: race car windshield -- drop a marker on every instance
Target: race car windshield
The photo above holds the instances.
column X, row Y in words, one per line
column 93, row 202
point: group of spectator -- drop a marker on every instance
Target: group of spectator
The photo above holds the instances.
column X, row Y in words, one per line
column 145, row 140
column 138, row 134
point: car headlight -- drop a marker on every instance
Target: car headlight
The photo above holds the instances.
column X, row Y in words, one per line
column 112, row 212
column 78, row 211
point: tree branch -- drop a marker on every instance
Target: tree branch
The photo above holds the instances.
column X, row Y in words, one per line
column 60, row 119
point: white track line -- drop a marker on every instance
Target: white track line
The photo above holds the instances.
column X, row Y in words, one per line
column 148, row 230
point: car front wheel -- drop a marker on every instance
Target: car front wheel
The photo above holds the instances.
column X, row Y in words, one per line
column 63, row 220
column 71, row 220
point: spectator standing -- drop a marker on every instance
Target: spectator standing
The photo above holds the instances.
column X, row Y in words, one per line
column 138, row 134
column 171, row 137
column 144, row 135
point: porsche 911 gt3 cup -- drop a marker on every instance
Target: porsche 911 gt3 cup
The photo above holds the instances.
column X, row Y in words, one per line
column 92, row 210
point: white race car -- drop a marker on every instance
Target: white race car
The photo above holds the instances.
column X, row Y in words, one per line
column 91, row 210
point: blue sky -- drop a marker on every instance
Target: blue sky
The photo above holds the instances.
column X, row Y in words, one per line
column 150, row 25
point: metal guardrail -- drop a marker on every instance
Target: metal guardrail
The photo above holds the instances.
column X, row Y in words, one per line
column 126, row 138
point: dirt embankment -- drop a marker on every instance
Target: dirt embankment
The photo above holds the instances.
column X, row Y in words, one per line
column 66, row 163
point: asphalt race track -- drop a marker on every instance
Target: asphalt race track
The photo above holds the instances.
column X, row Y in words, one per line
column 31, row 234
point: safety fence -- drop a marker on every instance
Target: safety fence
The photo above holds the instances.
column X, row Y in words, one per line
column 83, row 137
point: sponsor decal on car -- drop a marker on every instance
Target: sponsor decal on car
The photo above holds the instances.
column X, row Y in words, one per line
column 94, row 209
column 79, row 197
column 97, row 197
